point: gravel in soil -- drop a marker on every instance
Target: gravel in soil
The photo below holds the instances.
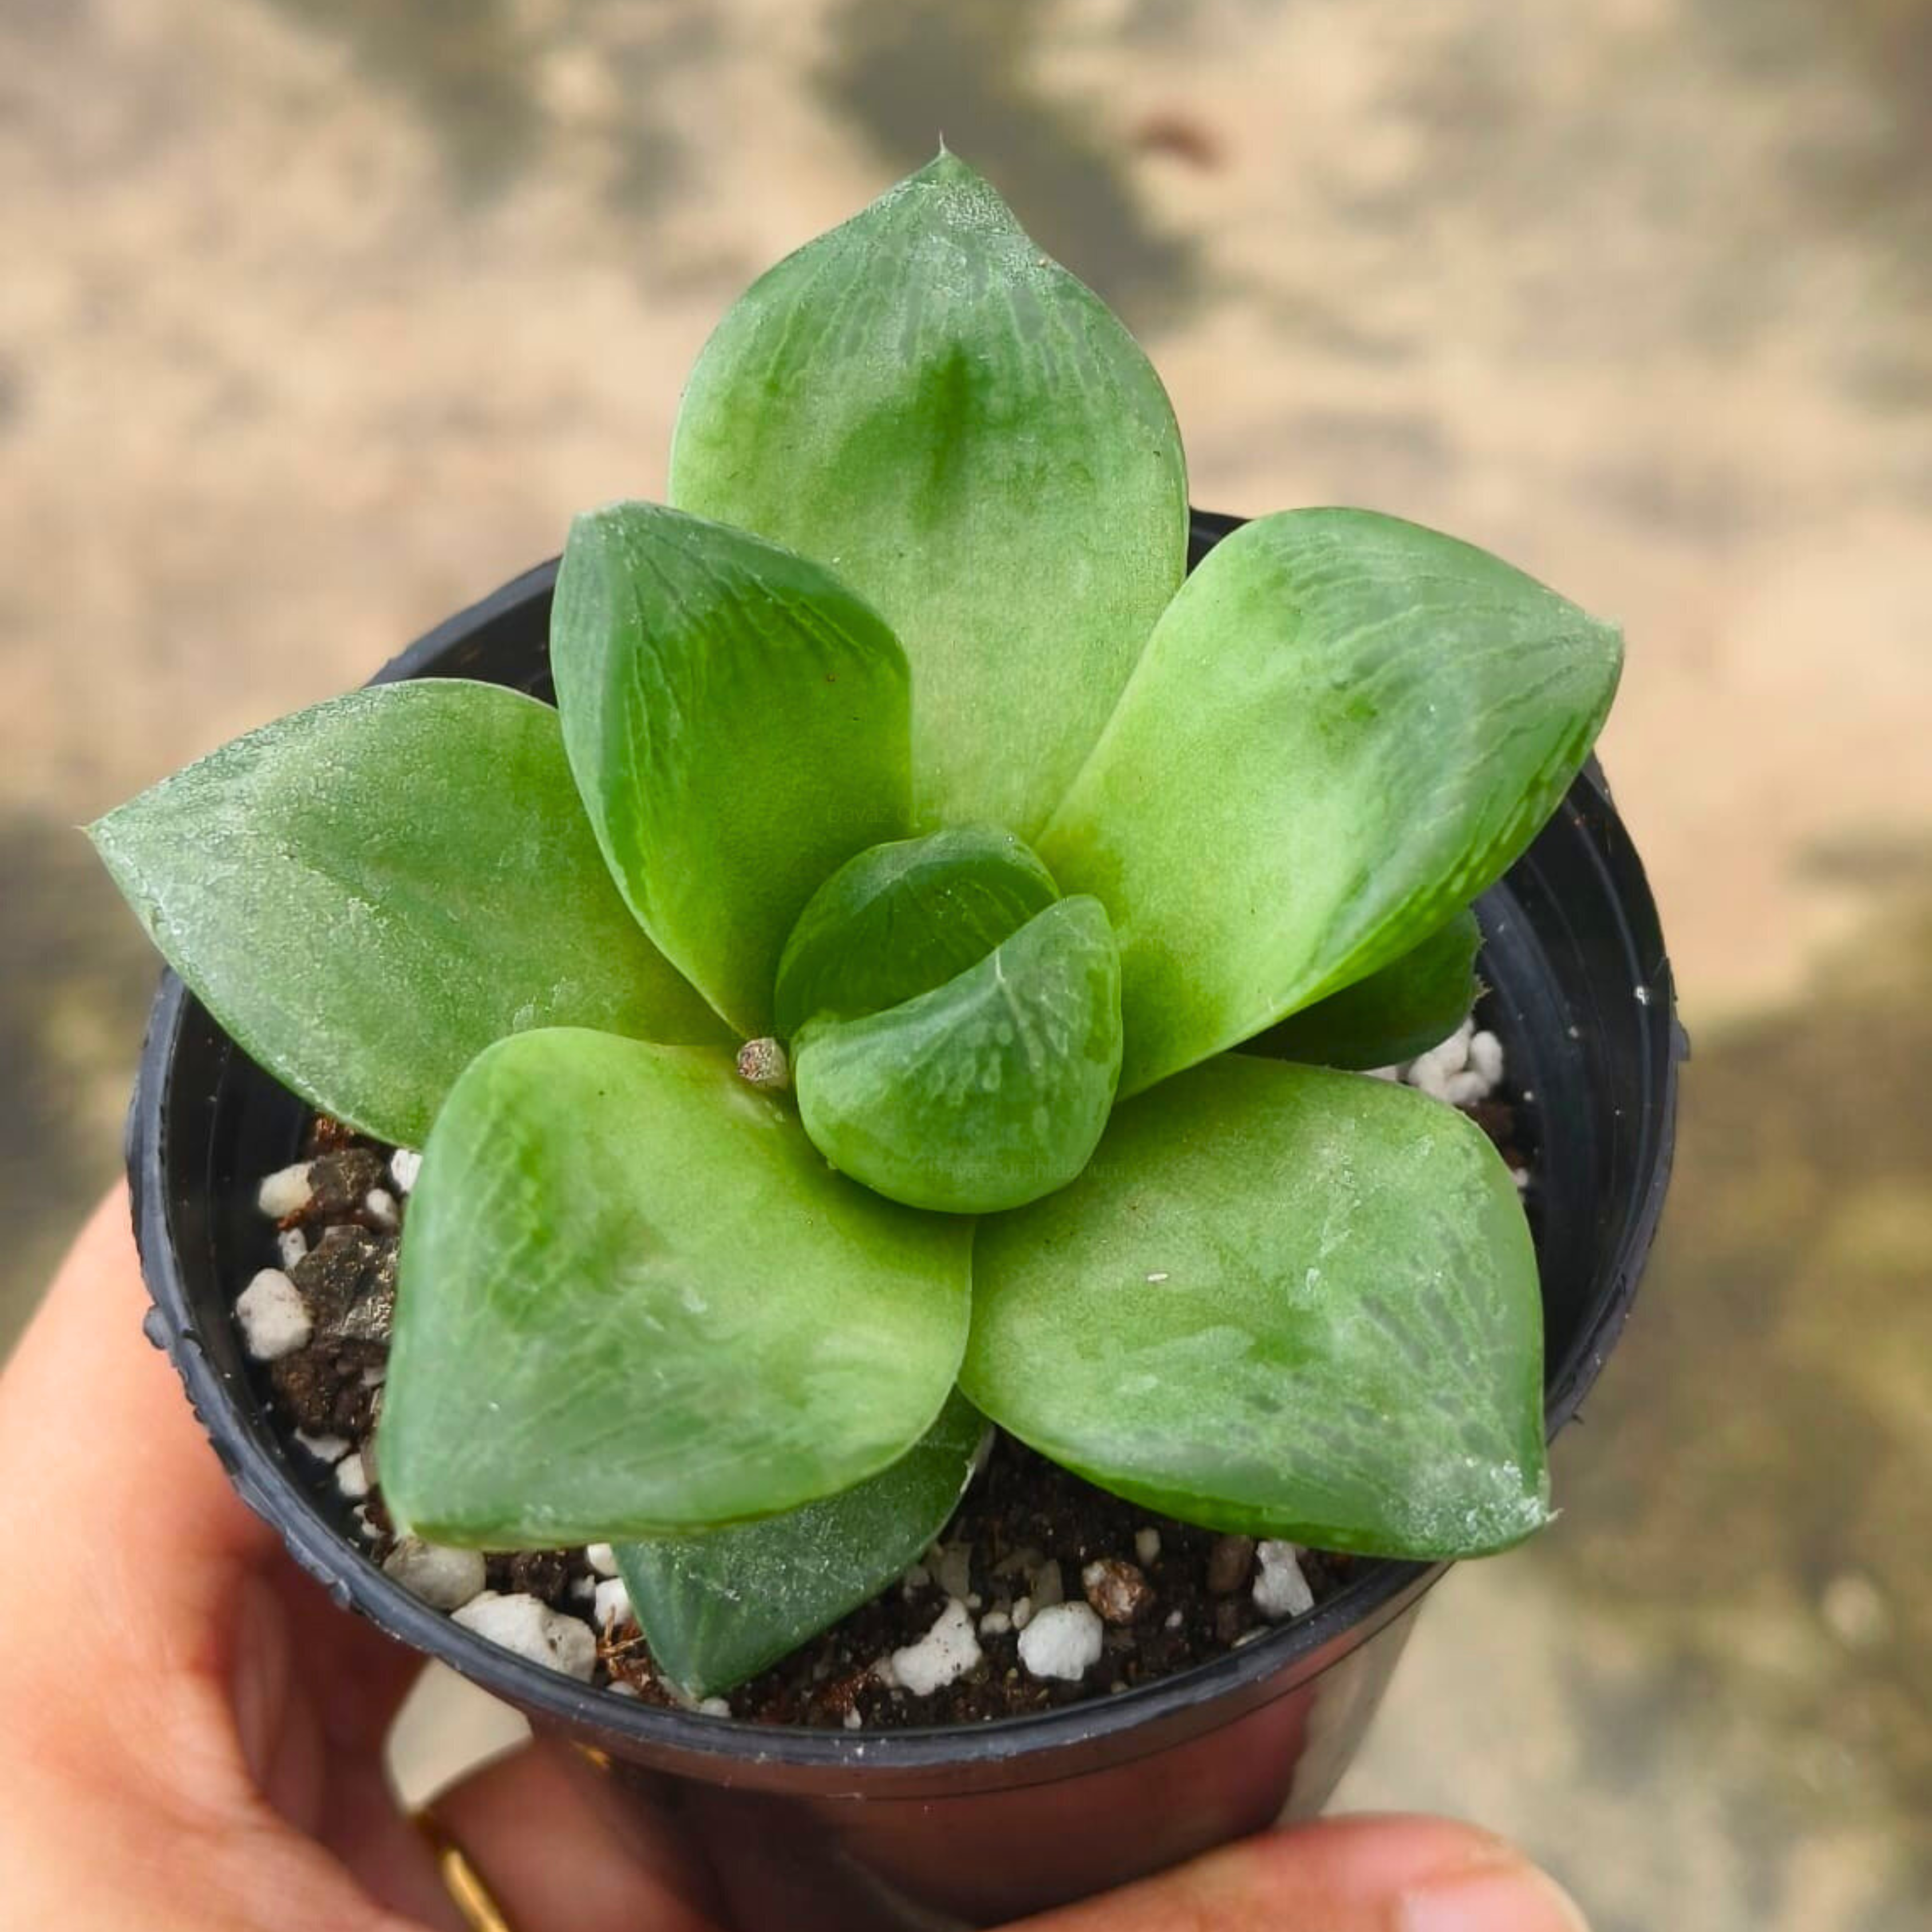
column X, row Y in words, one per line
column 1163, row 1595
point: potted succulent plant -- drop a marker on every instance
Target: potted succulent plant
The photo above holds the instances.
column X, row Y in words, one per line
column 913, row 984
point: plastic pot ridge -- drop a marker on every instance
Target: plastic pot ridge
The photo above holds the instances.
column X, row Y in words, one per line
column 984, row 1823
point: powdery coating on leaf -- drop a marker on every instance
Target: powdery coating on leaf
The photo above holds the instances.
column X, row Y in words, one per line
column 1345, row 727
column 986, row 1093
column 737, row 721
column 1344, row 1347
column 634, row 1299
column 924, row 402
column 367, row 893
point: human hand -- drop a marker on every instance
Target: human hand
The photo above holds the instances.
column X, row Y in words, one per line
column 195, row 1732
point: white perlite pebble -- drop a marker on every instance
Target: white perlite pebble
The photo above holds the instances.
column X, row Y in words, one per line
column 613, row 1603
column 286, row 1191
column 1428, row 1073
column 273, row 1317
column 1466, row 1067
column 715, row 1707
column 323, row 1448
column 1280, row 1588
column 1022, row 1613
column 946, row 1652
column 379, row 1204
column 1063, row 1640
column 352, row 1476
column 291, row 1244
column 405, row 1164
column 528, row 1627
column 1146, row 1546
column 995, row 1623
column 444, row 1579
column 602, row 1558
column 1486, row 1057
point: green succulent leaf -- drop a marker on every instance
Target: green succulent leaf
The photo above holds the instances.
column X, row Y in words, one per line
column 738, row 723
column 1344, row 727
column 988, row 1092
column 904, row 918
column 1408, row 1006
column 926, row 403
column 367, row 893
column 634, row 1299
column 1283, row 1301
column 718, row 1609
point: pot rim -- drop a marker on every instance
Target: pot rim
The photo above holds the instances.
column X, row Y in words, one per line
column 237, row 1423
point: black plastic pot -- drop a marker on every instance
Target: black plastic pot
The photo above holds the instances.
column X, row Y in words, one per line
column 973, row 1824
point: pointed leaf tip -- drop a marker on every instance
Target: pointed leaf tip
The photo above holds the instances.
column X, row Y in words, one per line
column 718, row 1609
column 737, row 722
column 367, row 893
column 1283, row 1301
column 925, row 400
column 1344, row 727
column 634, row 1299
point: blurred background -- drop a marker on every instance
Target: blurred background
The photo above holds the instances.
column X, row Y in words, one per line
column 318, row 320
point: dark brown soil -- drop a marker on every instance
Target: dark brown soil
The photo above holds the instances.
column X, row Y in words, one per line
column 1023, row 1515
column 1027, row 1534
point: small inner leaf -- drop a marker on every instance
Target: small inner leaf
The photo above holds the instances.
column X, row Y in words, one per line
column 737, row 721
column 1283, row 1301
column 924, row 400
column 989, row 1091
column 1345, row 727
column 718, row 1609
column 1392, row 1015
column 904, row 918
column 367, row 893
column 634, row 1299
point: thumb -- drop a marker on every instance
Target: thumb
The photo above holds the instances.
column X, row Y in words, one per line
column 1342, row 1875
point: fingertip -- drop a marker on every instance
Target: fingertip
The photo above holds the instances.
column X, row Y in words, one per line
column 1396, row 1873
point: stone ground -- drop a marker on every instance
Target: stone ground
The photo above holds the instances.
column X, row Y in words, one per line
column 317, row 320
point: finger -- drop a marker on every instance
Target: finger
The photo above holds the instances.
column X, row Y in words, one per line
column 214, row 1673
column 560, row 1851
column 1341, row 1875
column 110, row 1483
column 108, row 1469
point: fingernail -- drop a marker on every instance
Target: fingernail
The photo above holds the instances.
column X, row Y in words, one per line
column 1515, row 1898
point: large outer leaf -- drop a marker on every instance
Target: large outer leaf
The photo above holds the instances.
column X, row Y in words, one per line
column 737, row 721
column 1401, row 1010
column 988, row 1092
column 923, row 400
column 1281, row 1300
column 1345, row 727
column 368, row 892
column 633, row 1298
column 718, row 1609
column 904, row 918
